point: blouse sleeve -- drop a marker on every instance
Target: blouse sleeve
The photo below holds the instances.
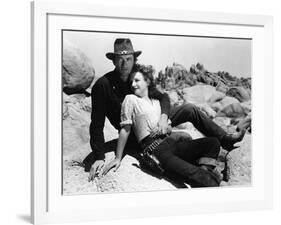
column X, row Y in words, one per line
column 127, row 110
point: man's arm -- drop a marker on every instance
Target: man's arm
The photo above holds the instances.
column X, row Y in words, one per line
column 95, row 160
column 164, row 100
column 99, row 102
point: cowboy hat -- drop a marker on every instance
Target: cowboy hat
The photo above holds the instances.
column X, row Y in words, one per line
column 122, row 46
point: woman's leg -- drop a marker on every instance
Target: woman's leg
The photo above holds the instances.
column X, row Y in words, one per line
column 191, row 113
column 194, row 175
column 202, row 150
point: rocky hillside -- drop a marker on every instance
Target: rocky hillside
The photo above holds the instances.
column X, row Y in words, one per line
column 177, row 76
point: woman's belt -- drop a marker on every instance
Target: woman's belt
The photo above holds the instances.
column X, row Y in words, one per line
column 149, row 143
column 148, row 159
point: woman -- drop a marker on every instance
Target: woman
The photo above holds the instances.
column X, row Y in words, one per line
column 193, row 160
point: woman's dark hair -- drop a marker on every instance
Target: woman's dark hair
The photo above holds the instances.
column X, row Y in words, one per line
column 147, row 72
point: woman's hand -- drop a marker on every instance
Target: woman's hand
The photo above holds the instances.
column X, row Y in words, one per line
column 122, row 140
column 114, row 164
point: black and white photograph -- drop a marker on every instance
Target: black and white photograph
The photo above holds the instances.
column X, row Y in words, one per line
column 141, row 112
column 154, row 112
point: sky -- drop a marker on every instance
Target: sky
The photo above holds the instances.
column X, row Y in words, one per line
column 216, row 54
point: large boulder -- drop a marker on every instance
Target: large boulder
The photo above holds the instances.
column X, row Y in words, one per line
column 76, row 122
column 240, row 163
column 239, row 93
column 198, row 93
column 189, row 129
column 234, row 110
column 77, row 70
column 219, row 105
column 216, row 97
column 206, row 108
column 247, row 105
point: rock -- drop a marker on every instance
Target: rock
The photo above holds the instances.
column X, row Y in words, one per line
column 218, row 106
column 198, row 93
column 234, row 110
column 239, row 93
column 189, row 129
column 221, row 87
column 76, row 123
column 193, row 69
column 86, row 105
column 209, row 111
column 247, row 106
column 65, row 112
column 246, row 83
column 244, row 123
column 204, row 107
column 200, row 67
column 66, row 98
column 228, row 101
column 131, row 178
column 223, row 122
column 239, row 163
column 216, row 97
column 77, row 71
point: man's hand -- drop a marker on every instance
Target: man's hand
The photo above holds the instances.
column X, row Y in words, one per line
column 115, row 163
column 95, row 169
column 163, row 127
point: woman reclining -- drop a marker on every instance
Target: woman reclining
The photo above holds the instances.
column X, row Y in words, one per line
column 193, row 160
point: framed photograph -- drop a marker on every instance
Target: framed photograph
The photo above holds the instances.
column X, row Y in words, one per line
column 213, row 76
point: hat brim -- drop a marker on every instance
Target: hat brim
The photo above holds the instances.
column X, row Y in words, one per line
column 111, row 55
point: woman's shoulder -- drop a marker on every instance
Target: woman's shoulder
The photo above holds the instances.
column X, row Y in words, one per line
column 131, row 97
column 131, row 101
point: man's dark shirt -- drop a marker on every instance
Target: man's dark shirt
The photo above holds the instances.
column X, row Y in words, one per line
column 107, row 96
